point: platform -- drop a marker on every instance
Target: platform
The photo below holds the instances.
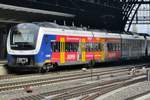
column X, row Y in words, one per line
column 3, row 70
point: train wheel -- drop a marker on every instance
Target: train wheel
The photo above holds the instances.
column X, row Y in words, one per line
column 39, row 70
column 50, row 67
column 43, row 69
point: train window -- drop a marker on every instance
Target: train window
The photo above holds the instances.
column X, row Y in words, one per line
column 101, row 46
column 96, row 47
column 55, row 46
column 109, row 46
column 117, row 47
column 71, row 47
column 75, row 47
column 114, row 46
column 67, row 47
column 89, row 47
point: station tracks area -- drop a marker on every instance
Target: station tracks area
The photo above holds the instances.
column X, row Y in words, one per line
column 80, row 85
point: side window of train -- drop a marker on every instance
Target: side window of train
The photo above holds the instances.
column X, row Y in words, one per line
column 89, row 47
column 97, row 47
column 52, row 46
column 71, row 47
column 66, row 47
column 114, row 46
column 109, row 46
column 101, row 46
column 117, row 47
column 55, row 46
column 75, row 47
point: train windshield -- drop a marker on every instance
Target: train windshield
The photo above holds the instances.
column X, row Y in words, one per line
column 23, row 36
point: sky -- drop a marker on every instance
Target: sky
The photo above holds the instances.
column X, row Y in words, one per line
column 143, row 28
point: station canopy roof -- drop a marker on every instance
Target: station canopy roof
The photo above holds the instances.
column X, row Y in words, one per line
column 16, row 14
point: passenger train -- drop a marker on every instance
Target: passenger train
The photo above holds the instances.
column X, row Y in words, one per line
column 43, row 46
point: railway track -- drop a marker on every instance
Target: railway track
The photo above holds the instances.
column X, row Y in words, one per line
column 14, row 76
column 47, row 80
column 43, row 81
column 111, row 88
column 83, row 91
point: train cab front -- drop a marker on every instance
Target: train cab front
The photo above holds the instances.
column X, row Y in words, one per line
column 19, row 63
column 21, row 46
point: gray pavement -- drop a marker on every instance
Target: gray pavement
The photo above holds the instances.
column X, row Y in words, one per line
column 127, row 92
column 3, row 70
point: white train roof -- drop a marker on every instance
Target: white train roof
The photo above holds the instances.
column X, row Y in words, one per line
column 148, row 37
column 106, row 35
column 68, row 31
column 125, row 36
column 57, row 31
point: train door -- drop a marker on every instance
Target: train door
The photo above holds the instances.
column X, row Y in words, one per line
column 62, row 50
column 79, row 52
column 130, row 47
column 102, row 50
column 83, row 50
